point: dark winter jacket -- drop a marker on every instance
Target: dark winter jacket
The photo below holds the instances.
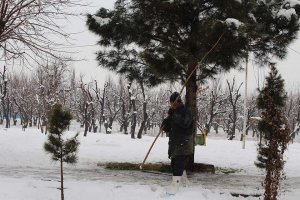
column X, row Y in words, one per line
column 179, row 125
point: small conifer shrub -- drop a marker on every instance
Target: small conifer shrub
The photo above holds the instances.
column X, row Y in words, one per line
column 61, row 149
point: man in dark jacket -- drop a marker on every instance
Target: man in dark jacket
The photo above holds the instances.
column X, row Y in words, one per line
column 179, row 126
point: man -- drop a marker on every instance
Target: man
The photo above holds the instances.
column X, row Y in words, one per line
column 179, row 126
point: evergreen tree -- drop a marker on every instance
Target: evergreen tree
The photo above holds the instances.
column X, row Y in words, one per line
column 62, row 150
column 166, row 40
column 274, row 126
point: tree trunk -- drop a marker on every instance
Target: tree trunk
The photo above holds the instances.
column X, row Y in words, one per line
column 61, row 178
column 211, row 114
column 191, row 105
column 86, row 123
column 161, row 120
column 101, row 120
column 143, row 124
column 124, row 118
column 216, row 128
column 86, row 128
column 7, row 125
column 234, row 122
column 39, row 122
column 111, row 121
column 133, row 122
column 35, row 121
column 106, row 126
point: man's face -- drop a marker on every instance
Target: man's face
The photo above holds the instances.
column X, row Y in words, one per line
column 174, row 104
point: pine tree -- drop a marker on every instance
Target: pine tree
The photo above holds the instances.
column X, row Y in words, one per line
column 273, row 125
column 166, row 40
column 62, row 150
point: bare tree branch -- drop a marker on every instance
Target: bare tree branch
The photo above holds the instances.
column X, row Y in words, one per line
column 27, row 28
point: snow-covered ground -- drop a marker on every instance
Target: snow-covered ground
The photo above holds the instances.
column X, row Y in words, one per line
column 27, row 172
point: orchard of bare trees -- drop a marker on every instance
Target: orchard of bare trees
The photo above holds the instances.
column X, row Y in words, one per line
column 123, row 106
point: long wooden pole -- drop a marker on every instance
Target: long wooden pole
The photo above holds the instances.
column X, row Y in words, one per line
column 186, row 81
column 245, row 105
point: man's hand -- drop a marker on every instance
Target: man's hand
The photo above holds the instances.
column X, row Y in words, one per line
column 164, row 123
column 170, row 111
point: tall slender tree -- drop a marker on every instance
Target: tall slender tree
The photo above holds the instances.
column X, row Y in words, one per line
column 62, row 150
column 274, row 126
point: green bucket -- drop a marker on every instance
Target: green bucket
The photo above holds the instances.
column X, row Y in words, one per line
column 200, row 139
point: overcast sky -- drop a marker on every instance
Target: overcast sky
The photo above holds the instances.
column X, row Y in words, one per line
column 84, row 44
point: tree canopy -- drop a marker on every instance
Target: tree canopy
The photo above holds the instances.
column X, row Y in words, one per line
column 161, row 39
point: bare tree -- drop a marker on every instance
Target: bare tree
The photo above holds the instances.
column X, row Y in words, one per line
column 4, row 97
column 160, row 105
column 51, row 79
column 23, row 95
column 292, row 112
column 144, row 107
column 124, row 116
column 27, row 28
column 233, row 97
column 216, row 102
column 134, row 110
column 87, row 108
column 112, row 107
column 101, row 102
column 252, row 111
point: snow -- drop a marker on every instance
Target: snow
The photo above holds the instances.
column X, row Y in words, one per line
column 233, row 21
column 251, row 15
column 90, row 102
column 132, row 98
column 27, row 172
column 37, row 98
column 239, row 1
column 293, row 3
column 101, row 21
column 282, row 127
column 287, row 13
column 170, row 1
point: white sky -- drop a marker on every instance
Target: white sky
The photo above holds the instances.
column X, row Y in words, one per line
column 84, row 44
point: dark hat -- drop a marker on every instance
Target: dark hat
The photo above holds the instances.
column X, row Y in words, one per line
column 174, row 96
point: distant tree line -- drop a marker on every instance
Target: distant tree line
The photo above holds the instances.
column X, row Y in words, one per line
column 124, row 106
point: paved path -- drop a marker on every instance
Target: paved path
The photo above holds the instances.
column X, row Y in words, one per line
column 233, row 183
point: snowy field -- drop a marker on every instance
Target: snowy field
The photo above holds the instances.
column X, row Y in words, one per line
column 27, row 172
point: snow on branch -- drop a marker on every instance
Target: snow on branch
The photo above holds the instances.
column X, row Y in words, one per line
column 101, row 21
column 287, row 13
column 233, row 21
column 132, row 98
column 293, row 3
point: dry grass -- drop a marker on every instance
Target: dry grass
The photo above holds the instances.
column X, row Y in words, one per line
column 159, row 167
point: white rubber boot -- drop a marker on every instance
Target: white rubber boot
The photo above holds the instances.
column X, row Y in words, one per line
column 184, row 180
column 174, row 187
